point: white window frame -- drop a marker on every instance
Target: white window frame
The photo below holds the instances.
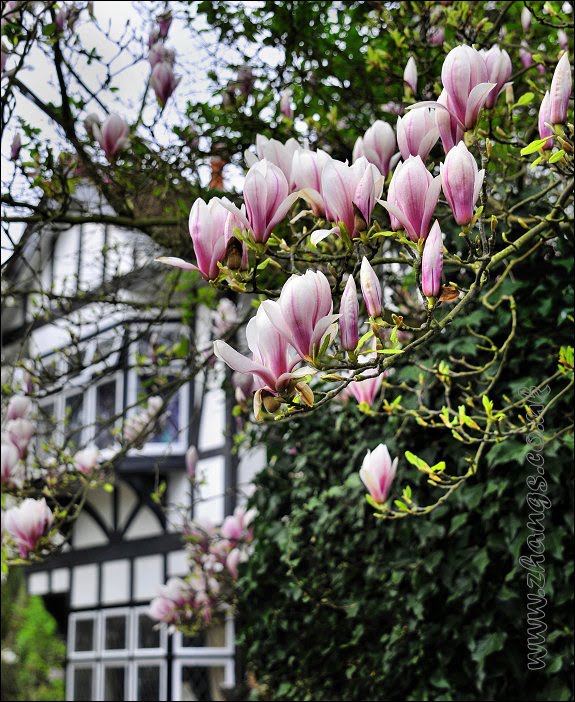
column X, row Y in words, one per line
column 228, row 664
column 201, row 652
column 116, row 663
column 107, row 653
column 74, row 655
column 148, row 663
column 147, row 652
column 71, row 668
column 154, row 448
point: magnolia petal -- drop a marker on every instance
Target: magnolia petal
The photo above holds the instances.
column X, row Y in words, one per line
column 401, row 218
column 475, row 102
column 177, row 262
column 321, row 234
column 282, row 211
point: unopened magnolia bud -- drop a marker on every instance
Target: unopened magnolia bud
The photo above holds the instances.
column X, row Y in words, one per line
column 305, row 392
column 509, row 95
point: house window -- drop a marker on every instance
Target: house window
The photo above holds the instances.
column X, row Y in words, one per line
column 105, row 412
column 74, row 415
column 121, row 654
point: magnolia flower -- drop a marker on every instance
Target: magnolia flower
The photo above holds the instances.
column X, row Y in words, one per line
column 164, row 23
column 348, row 316
column 412, row 197
column 112, row 135
column 86, row 460
column 436, row 36
column 233, row 561
column 499, row 70
column 465, row 79
column 349, row 194
column 561, row 86
column 163, row 81
column 450, row 131
column 271, row 363
column 303, row 312
column 371, row 289
column 525, row 19
column 562, row 39
column 306, row 172
column 432, row 262
column 27, row 523
column 461, row 181
column 410, row 74
column 377, row 473
column 159, row 53
column 377, row 145
column 281, row 155
column 19, row 407
column 236, row 526
column 173, row 595
column 10, row 460
column 15, row 147
column 19, row 432
column 92, row 120
column 417, row 133
column 212, row 232
column 285, row 104
column 267, row 200
column 544, row 122
column 525, row 56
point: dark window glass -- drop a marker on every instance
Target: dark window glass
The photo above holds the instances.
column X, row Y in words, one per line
column 199, row 683
column 114, row 684
column 149, row 683
column 75, row 418
column 167, row 429
column 105, row 410
column 84, row 635
column 115, row 633
column 45, row 427
column 148, row 636
column 83, row 684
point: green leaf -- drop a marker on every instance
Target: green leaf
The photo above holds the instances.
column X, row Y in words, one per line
column 534, row 146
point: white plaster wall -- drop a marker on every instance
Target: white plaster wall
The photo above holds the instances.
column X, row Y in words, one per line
column 211, row 506
column 148, row 576
column 84, row 586
column 116, row 582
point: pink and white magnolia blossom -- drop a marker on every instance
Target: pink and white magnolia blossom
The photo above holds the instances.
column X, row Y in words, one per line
column 525, row 19
column 27, row 524
column 349, row 316
column 112, row 135
column 461, row 181
column 303, row 313
column 350, row 194
column 417, row 133
column 211, row 228
column 410, row 74
column 86, row 460
column 159, row 53
column 11, row 465
column 233, row 560
column 15, row 147
column 370, row 288
column 164, row 81
column 412, row 196
column 450, row 131
column 525, row 56
column 562, row 39
column 19, row 407
column 272, row 362
column 306, row 171
column 267, row 200
column 499, row 70
column 173, row 595
column 544, row 123
column 377, row 145
column 19, row 432
column 432, row 262
column 164, row 23
column 436, row 36
column 236, row 526
column 274, row 151
column 367, row 390
column 560, row 91
column 466, row 83
column 285, row 103
column 90, row 121
column 377, row 473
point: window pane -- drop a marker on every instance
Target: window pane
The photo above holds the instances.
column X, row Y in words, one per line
column 75, row 418
column 105, row 410
column 200, row 683
column 114, row 684
column 83, row 684
column 149, row 683
column 168, row 429
column 148, row 637
column 115, row 633
column 84, row 635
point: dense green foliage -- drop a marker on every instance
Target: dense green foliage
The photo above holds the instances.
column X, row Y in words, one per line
column 340, row 606
column 32, row 651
